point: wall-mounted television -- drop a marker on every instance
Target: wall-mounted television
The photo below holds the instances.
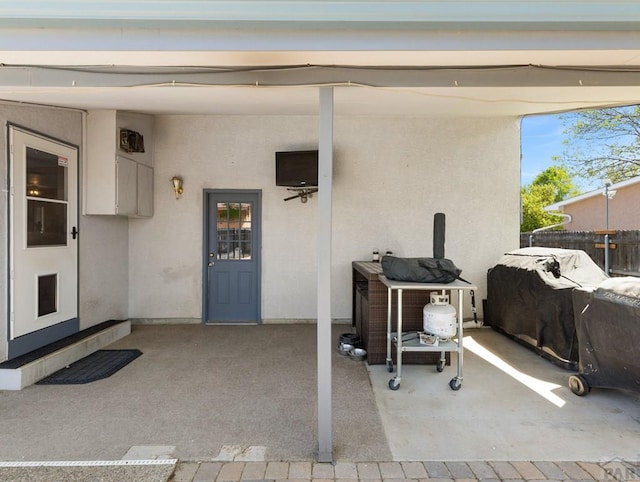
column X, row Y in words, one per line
column 297, row 168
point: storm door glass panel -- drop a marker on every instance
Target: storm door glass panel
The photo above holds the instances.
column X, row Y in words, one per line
column 46, row 224
column 46, row 195
column 47, row 294
column 234, row 231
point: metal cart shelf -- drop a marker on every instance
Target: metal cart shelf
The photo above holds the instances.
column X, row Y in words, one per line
column 414, row 344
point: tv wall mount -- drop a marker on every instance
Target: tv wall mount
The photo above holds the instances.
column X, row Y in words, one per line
column 304, row 193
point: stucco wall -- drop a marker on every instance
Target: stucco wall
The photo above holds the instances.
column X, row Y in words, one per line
column 390, row 176
column 103, row 284
column 103, row 280
column 624, row 211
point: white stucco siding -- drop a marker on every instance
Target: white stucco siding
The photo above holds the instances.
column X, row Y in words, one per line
column 103, row 280
column 222, row 153
column 392, row 180
column 390, row 176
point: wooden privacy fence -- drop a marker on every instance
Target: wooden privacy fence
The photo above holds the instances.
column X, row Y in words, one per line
column 624, row 247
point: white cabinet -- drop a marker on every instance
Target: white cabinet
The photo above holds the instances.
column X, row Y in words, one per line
column 118, row 182
column 126, row 187
column 145, row 190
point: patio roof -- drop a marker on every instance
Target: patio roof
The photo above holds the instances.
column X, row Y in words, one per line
column 469, row 58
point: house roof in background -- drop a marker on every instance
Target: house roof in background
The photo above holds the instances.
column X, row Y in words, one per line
column 597, row 192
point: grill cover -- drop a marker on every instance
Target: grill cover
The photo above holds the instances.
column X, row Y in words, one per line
column 608, row 328
column 529, row 297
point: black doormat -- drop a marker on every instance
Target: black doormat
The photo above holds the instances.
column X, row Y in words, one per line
column 100, row 364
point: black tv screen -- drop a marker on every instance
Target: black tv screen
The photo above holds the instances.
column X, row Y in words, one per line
column 297, row 168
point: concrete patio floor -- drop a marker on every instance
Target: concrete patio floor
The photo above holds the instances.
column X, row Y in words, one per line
column 513, row 408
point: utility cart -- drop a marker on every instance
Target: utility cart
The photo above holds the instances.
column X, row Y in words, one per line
column 411, row 341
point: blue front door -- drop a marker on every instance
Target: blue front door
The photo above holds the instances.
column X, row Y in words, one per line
column 232, row 256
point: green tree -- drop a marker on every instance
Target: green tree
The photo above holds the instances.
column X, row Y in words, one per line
column 550, row 186
column 560, row 180
column 603, row 143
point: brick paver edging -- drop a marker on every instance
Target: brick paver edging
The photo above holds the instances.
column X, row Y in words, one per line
column 395, row 471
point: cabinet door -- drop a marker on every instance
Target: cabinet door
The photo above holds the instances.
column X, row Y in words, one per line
column 126, row 186
column 145, row 191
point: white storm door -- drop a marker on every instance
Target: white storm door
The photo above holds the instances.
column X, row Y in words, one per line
column 43, row 257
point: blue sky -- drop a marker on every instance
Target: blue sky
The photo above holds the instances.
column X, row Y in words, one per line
column 541, row 140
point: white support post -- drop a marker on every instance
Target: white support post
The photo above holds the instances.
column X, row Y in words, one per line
column 325, row 167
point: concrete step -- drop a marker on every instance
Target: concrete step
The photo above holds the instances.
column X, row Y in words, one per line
column 14, row 377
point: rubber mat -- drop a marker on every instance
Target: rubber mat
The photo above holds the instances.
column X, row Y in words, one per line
column 100, row 364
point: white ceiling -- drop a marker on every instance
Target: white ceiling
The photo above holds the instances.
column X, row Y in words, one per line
column 453, row 92
column 497, row 101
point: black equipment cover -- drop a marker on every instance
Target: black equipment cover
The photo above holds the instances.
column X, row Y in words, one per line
column 420, row 270
column 529, row 297
column 608, row 324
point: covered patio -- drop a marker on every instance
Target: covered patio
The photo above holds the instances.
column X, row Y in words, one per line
column 426, row 99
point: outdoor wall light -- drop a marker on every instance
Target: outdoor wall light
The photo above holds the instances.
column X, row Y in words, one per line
column 177, row 186
column 608, row 194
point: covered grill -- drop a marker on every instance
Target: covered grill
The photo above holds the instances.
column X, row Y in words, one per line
column 529, row 297
column 608, row 328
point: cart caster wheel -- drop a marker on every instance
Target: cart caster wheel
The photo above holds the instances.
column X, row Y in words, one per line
column 440, row 366
column 455, row 384
column 579, row 385
column 390, row 366
column 394, row 384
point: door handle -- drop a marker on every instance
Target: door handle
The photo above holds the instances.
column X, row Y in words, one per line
column 211, row 263
column 74, row 232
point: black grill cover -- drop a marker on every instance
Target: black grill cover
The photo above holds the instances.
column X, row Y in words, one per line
column 529, row 297
column 608, row 326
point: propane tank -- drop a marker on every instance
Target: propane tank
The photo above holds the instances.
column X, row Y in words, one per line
column 439, row 317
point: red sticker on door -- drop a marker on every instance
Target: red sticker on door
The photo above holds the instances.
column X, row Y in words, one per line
column 63, row 161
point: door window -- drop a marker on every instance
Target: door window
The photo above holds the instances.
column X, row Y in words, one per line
column 234, row 231
column 46, row 195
